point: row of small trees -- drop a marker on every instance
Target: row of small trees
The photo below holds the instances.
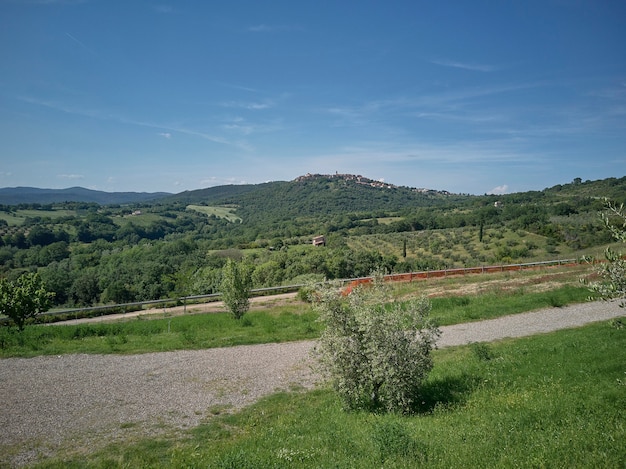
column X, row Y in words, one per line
column 26, row 297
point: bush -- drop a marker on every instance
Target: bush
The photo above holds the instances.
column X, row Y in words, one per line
column 235, row 287
column 24, row 299
column 613, row 272
column 376, row 352
column 307, row 292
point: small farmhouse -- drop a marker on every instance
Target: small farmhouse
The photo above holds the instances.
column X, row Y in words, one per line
column 319, row 241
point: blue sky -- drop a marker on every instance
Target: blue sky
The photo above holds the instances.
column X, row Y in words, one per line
column 466, row 96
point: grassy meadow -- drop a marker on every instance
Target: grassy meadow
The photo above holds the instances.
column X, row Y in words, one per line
column 227, row 213
column 17, row 217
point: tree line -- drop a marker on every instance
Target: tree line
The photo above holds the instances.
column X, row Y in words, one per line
column 90, row 254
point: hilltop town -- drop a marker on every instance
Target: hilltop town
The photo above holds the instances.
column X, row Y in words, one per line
column 358, row 179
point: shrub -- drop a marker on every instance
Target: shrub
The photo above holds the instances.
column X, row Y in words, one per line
column 306, row 293
column 235, row 287
column 24, row 299
column 613, row 272
column 375, row 351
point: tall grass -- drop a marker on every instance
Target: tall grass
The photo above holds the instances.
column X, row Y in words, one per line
column 553, row 400
column 156, row 335
column 276, row 324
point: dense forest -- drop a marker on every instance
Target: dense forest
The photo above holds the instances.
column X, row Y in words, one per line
column 176, row 245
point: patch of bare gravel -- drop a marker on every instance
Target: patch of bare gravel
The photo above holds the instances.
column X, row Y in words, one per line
column 82, row 401
column 86, row 400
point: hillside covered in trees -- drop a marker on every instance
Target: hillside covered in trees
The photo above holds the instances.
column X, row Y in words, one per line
column 90, row 253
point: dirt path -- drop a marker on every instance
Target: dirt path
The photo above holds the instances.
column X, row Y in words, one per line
column 256, row 303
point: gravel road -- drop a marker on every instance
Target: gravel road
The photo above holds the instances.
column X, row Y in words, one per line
column 82, row 401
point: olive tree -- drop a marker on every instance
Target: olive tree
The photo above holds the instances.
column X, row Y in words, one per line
column 24, row 298
column 613, row 271
column 235, row 287
column 376, row 351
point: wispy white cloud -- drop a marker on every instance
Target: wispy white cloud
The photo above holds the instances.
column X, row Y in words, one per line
column 486, row 152
column 51, row 2
column 80, row 43
column 465, row 109
column 167, row 135
column 260, row 28
column 474, row 67
column 266, row 28
column 238, row 87
column 163, row 9
column 244, row 127
column 252, row 106
column 240, row 128
column 71, row 176
column 100, row 115
column 217, row 181
column 206, row 136
column 465, row 117
column 499, row 190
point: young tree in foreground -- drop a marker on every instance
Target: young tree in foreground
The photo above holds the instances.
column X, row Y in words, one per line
column 376, row 352
column 24, row 298
column 235, row 287
column 613, row 271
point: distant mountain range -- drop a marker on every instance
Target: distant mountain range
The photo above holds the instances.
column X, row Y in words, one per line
column 232, row 193
column 306, row 195
column 33, row 195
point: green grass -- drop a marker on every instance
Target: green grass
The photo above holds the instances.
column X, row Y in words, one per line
column 144, row 335
column 145, row 219
column 18, row 217
column 220, row 212
column 12, row 220
column 553, row 400
column 52, row 214
column 383, row 220
column 466, row 308
column 276, row 324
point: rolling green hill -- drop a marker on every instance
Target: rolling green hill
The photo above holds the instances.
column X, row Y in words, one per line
column 32, row 195
column 91, row 254
column 315, row 195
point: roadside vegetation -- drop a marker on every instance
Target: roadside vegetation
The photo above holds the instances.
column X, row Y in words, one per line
column 454, row 300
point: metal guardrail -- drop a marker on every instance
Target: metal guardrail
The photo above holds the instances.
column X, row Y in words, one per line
column 138, row 305
column 404, row 277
